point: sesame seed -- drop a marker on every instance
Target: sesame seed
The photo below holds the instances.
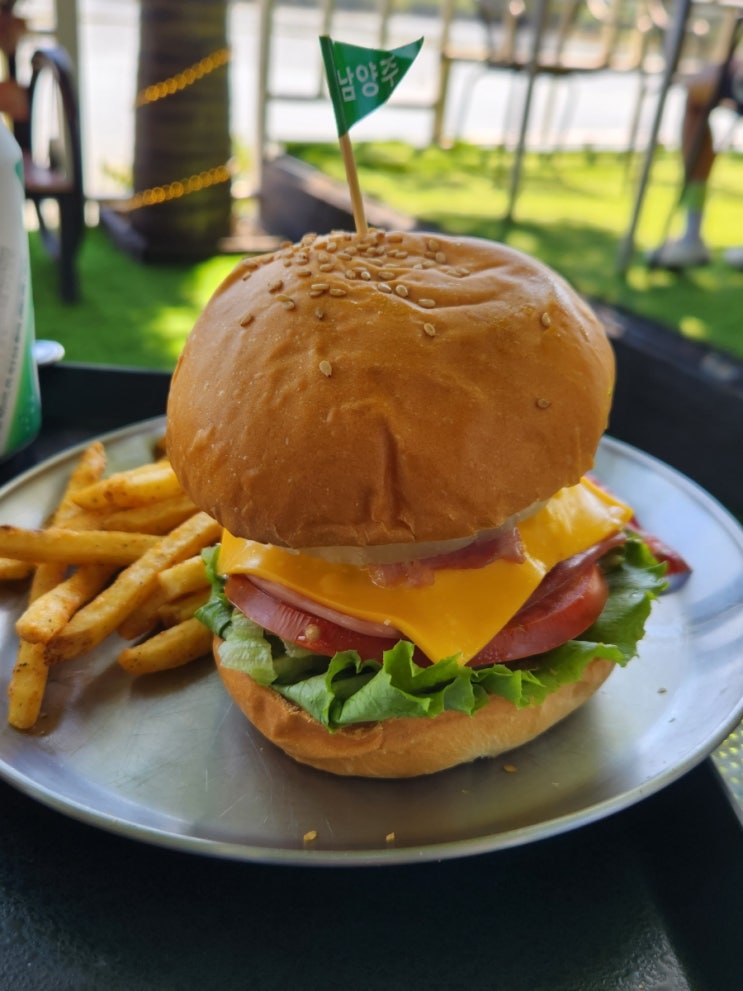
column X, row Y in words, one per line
column 384, row 287
column 366, row 276
column 247, row 319
column 432, row 244
column 440, row 257
column 275, row 284
column 331, row 246
column 429, row 329
column 310, row 836
column 428, row 263
column 394, row 236
column 283, row 298
column 288, row 304
column 302, row 257
column 320, row 286
column 386, row 273
column 427, row 303
column 350, row 274
column 543, row 403
column 326, row 266
column 545, row 320
column 463, row 270
column 326, row 368
column 337, row 291
column 246, row 275
column 320, row 313
column 390, row 838
column 510, row 768
column 401, row 290
column 303, row 272
column 399, row 254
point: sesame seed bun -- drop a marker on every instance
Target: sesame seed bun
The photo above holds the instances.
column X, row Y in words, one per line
column 386, row 389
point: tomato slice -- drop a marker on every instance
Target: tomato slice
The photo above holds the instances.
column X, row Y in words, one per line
column 565, row 604
column 549, row 619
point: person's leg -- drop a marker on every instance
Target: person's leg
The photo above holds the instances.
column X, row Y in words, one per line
column 698, row 154
column 698, row 149
column 734, row 256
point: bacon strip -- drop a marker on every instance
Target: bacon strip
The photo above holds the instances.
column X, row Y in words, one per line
column 504, row 545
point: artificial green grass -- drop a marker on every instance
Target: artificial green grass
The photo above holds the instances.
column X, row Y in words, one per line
column 571, row 213
column 129, row 313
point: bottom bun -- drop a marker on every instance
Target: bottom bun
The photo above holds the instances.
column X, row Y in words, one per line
column 407, row 747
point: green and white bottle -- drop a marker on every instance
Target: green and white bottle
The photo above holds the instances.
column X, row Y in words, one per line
column 20, row 406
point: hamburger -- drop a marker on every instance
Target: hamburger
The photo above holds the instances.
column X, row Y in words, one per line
column 396, row 432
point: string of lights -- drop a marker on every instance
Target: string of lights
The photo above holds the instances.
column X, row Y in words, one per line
column 159, row 91
column 187, row 77
column 181, row 187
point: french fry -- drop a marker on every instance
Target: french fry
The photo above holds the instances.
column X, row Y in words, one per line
column 48, row 613
column 178, row 610
column 27, row 686
column 158, row 449
column 12, row 570
column 172, row 648
column 145, row 618
column 172, row 583
column 30, row 671
column 184, row 577
column 87, row 471
column 132, row 587
column 157, row 517
column 136, row 487
column 120, row 553
column 59, row 544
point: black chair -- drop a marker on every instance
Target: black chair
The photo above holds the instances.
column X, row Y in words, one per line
column 52, row 161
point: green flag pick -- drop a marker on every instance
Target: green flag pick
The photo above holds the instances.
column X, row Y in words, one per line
column 360, row 80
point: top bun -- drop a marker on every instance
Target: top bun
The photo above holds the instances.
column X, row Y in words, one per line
column 386, row 389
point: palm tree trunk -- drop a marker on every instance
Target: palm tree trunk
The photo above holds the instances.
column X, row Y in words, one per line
column 182, row 138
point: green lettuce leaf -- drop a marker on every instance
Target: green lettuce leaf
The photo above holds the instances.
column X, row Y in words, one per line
column 346, row 689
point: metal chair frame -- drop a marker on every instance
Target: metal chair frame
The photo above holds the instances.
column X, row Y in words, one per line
column 58, row 176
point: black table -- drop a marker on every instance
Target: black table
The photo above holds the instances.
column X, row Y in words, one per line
column 647, row 899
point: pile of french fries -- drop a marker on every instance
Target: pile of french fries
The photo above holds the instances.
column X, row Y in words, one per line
column 120, row 554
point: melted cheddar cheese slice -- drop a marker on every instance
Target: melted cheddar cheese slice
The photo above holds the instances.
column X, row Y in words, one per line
column 464, row 608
